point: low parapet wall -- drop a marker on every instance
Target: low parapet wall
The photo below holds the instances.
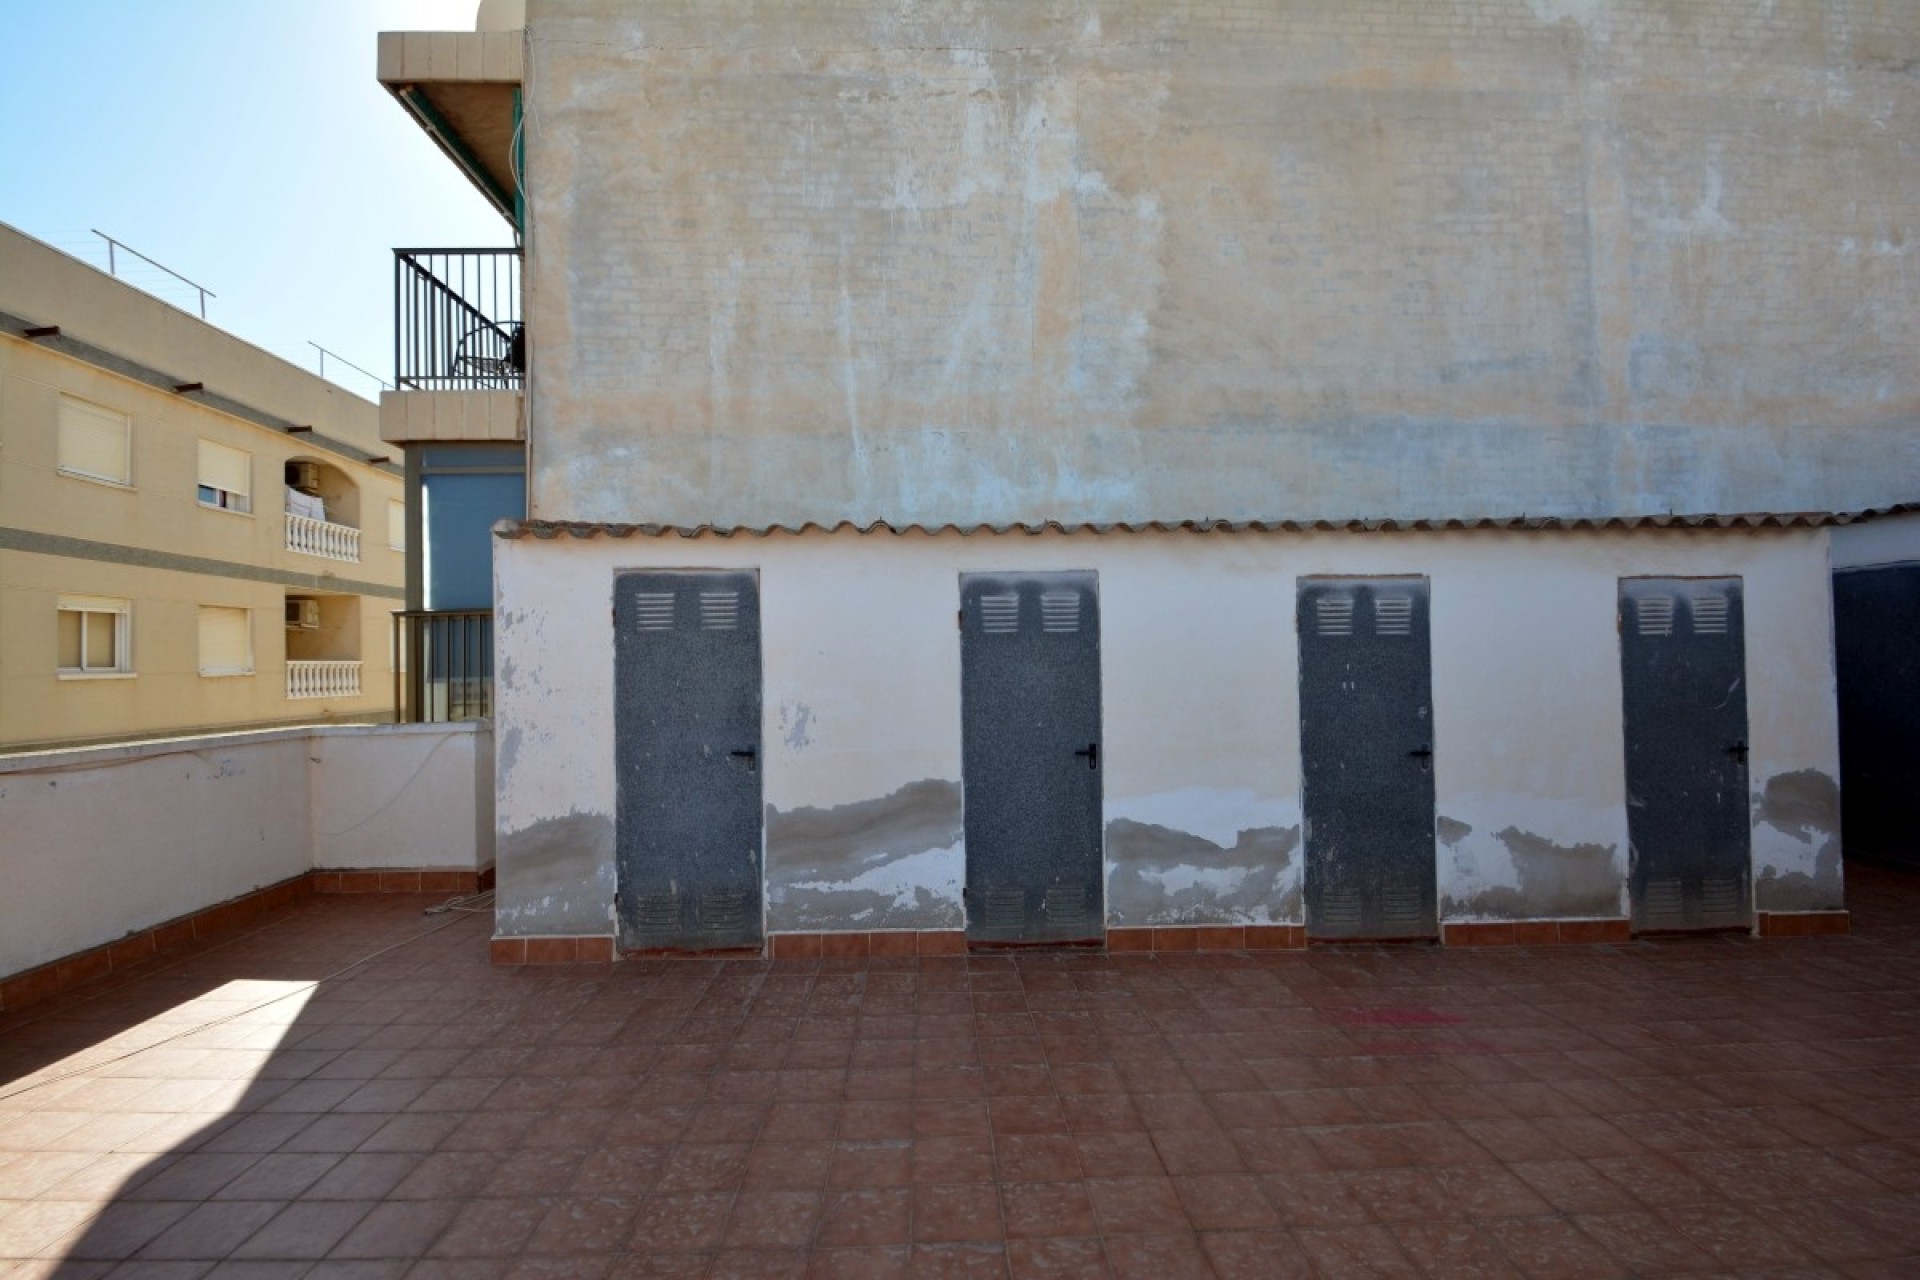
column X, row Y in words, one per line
column 105, row 843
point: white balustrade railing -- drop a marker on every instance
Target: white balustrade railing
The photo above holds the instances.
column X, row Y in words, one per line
column 322, row 679
column 322, row 538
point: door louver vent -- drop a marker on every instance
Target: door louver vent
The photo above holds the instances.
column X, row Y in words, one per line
column 1720, row 897
column 1656, row 615
column 723, row 911
column 1007, row 909
column 1066, row 904
column 1666, row 900
column 1341, row 907
column 659, row 913
column 1060, row 612
column 1400, row 903
column 719, row 610
column 1000, row 615
column 653, row 610
column 1710, row 615
column 1334, row 615
column 1393, row 615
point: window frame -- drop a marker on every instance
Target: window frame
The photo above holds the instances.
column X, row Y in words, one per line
column 101, row 413
column 122, row 613
column 246, row 622
column 244, row 507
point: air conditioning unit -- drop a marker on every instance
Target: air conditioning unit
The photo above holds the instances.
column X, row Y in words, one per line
column 303, row 615
column 304, row 476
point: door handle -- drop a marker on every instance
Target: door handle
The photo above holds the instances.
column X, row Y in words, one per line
column 1739, row 751
column 1422, row 752
column 1091, row 755
column 750, row 754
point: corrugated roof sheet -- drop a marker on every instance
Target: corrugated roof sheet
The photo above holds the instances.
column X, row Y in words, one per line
column 1742, row 520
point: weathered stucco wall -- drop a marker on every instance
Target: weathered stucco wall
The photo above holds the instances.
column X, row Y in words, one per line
column 1121, row 260
column 861, row 741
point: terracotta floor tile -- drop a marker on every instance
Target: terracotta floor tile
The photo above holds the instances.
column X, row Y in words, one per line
column 1056, row 1258
column 681, row 1222
column 1137, row 1204
column 1354, row 1251
column 304, row 1231
column 774, row 1219
column 954, row 1212
column 1553, row 1247
column 1047, row 1209
column 210, row 1231
column 867, row 1217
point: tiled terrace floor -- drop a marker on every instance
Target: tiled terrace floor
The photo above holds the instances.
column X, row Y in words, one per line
column 352, row 1091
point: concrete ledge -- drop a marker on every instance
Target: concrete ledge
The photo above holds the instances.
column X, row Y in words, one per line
column 1207, row 937
column 1535, row 933
column 1804, row 924
column 32, row 986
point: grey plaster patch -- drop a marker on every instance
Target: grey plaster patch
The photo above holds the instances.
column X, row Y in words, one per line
column 1804, row 804
column 556, row 876
column 796, row 725
column 1451, row 831
column 869, row 864
column 1161, row 876
column 1556, row 880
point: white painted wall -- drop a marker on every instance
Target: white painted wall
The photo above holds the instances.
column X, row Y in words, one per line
column 99, row 842
column 1889, row 540
column 403, row 795
column 1199, row 667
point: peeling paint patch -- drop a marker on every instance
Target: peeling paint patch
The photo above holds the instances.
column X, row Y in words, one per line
column 796, row 725
column 556, row 876
column 891, row 863
column 1803, row 805
column 1451, row 832
column 1158, row 875
column 1556, row 880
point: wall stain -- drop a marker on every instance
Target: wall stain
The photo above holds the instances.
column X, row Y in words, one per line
column 1804, row 804
column 556, row 876
column 1451, row 831
column 873, row 864
column 796, row 725
column 1160, row 876
column 1556, row 880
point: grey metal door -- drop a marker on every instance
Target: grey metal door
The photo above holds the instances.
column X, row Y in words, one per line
column 1030, row 730
column 1366, row 753
column 687, row 752
column 1683, row 671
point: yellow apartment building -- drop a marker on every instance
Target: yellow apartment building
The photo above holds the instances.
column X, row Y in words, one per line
column 194, row 534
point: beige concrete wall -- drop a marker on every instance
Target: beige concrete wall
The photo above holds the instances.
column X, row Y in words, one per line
column 1121, row 259
column 43, row 286
column 104, row 841
column 1200, row 751
column 150, row 541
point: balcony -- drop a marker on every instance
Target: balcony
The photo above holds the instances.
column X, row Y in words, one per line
column 456, row 320
column 310, row 679
column 322, row 538
column 445, row 668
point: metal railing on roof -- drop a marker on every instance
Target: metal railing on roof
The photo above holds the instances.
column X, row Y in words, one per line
column 444, row 664
column 456, row 320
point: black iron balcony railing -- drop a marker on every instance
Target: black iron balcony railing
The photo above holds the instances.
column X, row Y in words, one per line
column 456, row 319
column 445, row 667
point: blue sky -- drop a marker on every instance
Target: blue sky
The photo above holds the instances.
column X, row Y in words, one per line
column 243, row 143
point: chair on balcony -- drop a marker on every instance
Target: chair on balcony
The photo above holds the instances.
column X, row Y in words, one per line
column 490, row 353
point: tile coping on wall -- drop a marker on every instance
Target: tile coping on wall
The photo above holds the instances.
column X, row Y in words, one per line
column 31, row 986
